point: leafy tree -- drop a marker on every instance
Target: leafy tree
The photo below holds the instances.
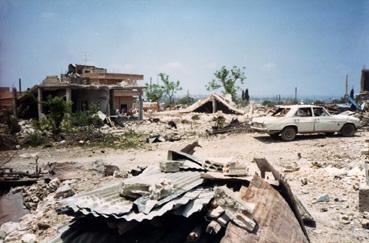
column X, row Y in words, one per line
column 227, row 79
column 154, row 92
column 169, row 87
column 186, row 100
column 56, row 108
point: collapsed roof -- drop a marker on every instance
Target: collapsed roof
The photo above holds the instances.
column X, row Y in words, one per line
column 212, row 104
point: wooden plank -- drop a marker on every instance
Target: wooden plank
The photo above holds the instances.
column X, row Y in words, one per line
column 276, row 221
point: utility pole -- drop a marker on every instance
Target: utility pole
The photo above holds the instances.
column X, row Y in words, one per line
column 346, row 88
column 296, row 94
column 150, row 88
column 20, row 86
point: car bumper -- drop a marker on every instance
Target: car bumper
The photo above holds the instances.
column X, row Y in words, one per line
column 263, row 130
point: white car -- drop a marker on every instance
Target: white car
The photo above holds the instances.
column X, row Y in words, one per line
column 287, row 121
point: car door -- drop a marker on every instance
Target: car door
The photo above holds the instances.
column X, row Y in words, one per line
column 323, row 121
column 304, row 119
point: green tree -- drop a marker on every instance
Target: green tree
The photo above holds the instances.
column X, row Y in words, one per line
column 154, row 92
column 227, row 79
column 169, row 87
column 56, row 108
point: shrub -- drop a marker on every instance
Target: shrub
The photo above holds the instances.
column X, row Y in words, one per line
column 87, row 118
column 268, row 103
column 56, row 108
column 186, row 100
column 35, row 139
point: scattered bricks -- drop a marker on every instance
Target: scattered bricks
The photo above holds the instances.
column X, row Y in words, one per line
column 364, row 198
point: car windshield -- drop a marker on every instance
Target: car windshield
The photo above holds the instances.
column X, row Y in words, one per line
column 280, row 112
column 319, row 111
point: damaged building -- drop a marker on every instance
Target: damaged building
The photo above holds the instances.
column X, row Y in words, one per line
column 364, row 84
column 87, row 86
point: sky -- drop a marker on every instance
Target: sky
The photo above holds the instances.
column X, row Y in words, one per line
column 311, row 44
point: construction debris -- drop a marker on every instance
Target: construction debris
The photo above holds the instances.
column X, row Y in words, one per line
column 233, row 127
column 177, row 187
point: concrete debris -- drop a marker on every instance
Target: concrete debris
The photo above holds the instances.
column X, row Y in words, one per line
column 168, row 190
column 364, row 223
column 239, row 212
column 37, row 192
column 29, row 238
column 213, row 227
column 64, row 191
column 235, row 126
column 235, row 169
column 171, row 166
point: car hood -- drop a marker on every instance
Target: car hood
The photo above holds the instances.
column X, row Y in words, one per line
column 346, row 118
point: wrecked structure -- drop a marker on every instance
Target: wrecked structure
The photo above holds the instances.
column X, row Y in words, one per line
column 7, row 98
column 187, row 199
column 87, row 85
column 364, row 85
column 214, row 103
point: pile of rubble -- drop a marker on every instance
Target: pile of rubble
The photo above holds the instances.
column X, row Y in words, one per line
column 187, row 199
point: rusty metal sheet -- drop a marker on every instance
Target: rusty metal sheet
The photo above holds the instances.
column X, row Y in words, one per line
column 283, row 188
column 276, row 221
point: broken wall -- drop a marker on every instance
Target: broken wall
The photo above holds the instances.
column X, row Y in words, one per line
column 84, row 99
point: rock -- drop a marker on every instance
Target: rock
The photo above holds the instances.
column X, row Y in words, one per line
column 345, row 219
column 365, row 223
column 9, row 227
column 120, row 174
column 323, row 198
column 323, row 209
column 64, row 191
column 28, row 238
column 43, row 225
column 110, row 169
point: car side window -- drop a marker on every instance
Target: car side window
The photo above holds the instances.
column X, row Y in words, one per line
column 318, row 111
column 304, row 112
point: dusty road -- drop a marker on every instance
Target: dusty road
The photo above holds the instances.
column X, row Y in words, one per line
column 325, row 165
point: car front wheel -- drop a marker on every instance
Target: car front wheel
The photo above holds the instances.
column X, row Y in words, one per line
column 288, row 134
column 348, row 130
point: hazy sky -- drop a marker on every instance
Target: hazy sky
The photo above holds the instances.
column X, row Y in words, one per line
column 310, row 44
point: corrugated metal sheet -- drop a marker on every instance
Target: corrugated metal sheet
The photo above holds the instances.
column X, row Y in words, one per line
column 106, row 201
column 197, row 204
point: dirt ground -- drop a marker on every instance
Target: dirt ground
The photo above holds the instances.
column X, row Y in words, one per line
column 314, row 165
